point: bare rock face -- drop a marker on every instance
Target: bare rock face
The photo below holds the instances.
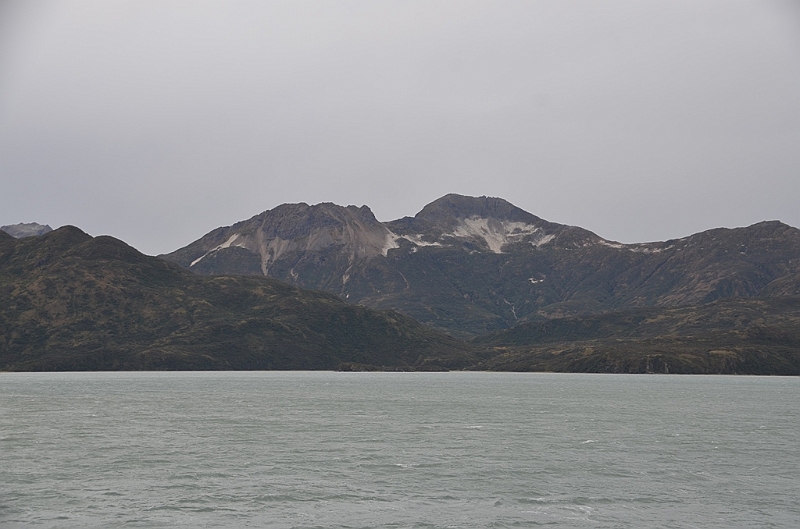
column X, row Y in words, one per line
column 30, row 229
column 305, row 245
column 472, row 265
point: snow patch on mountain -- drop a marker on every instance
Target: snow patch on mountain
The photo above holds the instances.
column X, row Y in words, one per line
column 497, row 233
column 391, row 243
column 650, row 249
column 638, row 248
column 414, row 238
column 419, row 241
column 610, row 244
column 225, row 244
column 544, row 239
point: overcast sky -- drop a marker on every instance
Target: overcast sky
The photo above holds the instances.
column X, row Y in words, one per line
column 157, row 121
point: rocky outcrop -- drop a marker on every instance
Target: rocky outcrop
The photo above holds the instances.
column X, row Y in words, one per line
column 30, row 229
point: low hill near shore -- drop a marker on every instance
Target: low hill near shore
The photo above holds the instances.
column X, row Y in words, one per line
column 731, row 336
column 69, row 301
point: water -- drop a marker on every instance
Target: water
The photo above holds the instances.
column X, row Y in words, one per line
column 319, row 449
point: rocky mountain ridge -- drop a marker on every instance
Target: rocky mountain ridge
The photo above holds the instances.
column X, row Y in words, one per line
column 471, row 265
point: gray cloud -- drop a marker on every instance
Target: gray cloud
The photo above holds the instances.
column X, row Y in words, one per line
column 158, row 121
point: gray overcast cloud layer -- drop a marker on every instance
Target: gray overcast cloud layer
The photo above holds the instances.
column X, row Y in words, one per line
column 157, row 121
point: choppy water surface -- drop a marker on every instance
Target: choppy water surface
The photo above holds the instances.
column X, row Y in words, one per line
column 271, row 449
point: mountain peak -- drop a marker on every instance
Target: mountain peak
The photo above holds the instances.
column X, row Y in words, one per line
column 66, row 236
column 26, row 229
column 483, row 223
column 299, row 234
column 450, row 209
column 289, row 221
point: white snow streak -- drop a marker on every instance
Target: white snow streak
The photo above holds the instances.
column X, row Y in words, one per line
column 638, row 248
column 417, row 240
column 225, row 244
column 616, row 245
column 543, row 240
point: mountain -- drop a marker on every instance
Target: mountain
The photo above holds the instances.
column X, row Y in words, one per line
column 473, row 265
column 69, row 301
column 752, row 336
column 30, row 229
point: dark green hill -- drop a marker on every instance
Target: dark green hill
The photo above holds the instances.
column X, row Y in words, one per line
column 744, row 336
column 69, row 301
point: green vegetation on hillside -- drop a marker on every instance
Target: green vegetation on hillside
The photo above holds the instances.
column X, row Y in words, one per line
column 744, row 336
column 72, row 302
